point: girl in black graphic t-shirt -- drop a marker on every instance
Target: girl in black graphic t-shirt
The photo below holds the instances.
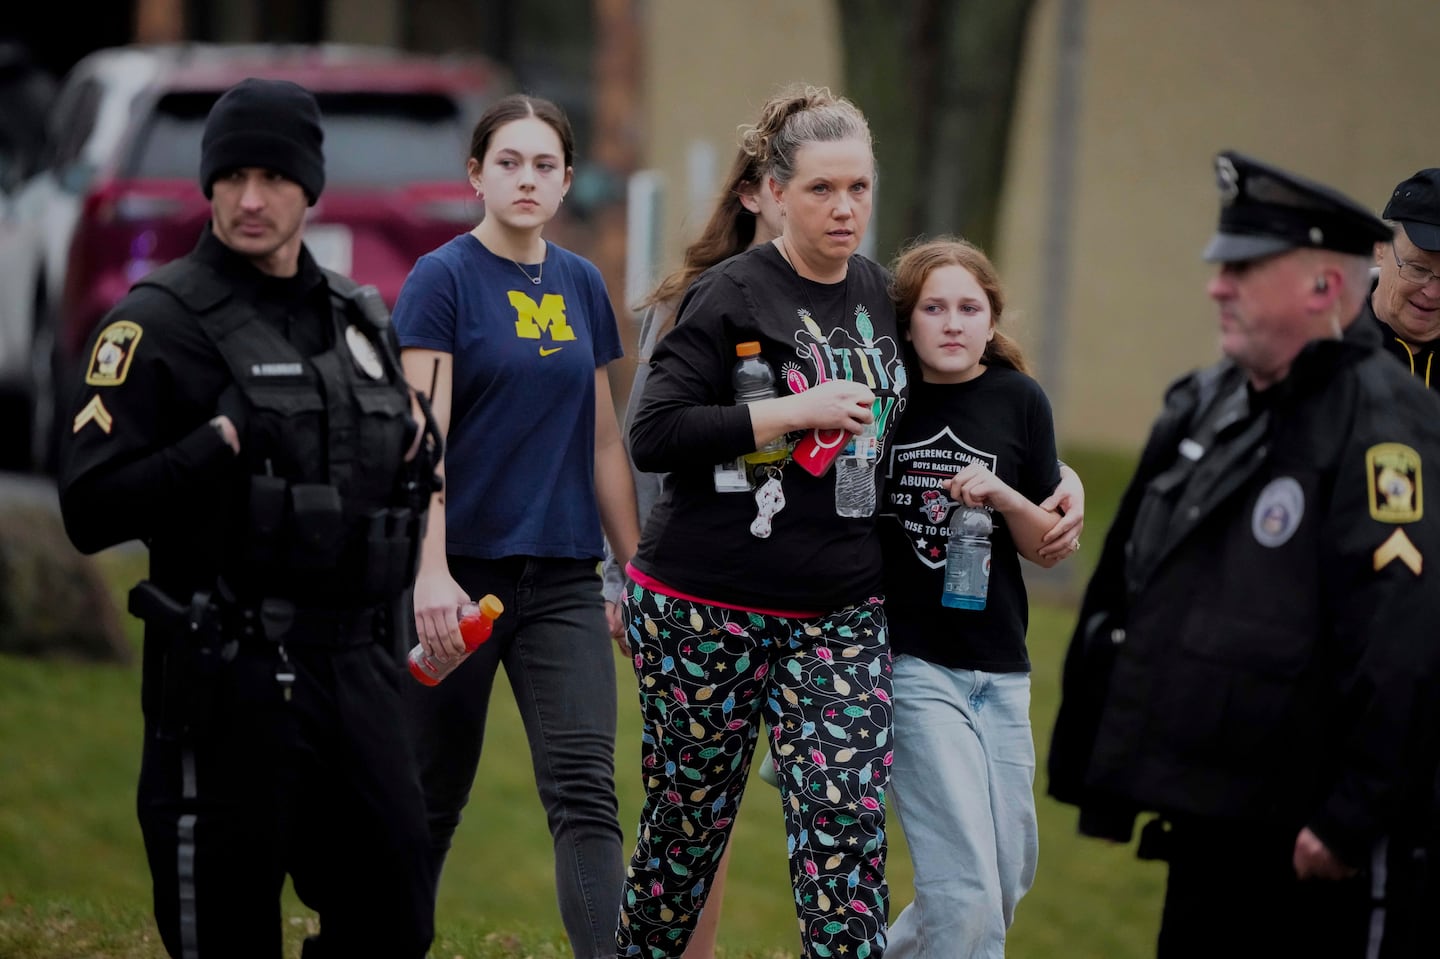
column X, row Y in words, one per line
column 977, row 432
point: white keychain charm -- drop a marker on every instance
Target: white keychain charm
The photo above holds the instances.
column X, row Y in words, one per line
column 770, row 497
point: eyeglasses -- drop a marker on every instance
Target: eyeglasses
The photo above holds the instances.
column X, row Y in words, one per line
column 1411, row 273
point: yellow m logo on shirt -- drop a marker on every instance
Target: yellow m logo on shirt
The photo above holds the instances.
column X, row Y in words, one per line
column 548, row 315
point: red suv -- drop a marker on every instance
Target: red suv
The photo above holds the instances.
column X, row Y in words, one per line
column 397, row 130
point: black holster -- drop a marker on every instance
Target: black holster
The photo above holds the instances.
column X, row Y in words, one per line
column 1155, row 843
column 195, row 652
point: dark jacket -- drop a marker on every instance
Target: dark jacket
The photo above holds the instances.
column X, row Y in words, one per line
column 1267, row 652
column 1418, row 358
column 313, row 385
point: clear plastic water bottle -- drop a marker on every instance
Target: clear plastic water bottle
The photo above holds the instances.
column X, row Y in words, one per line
column 855, row 473
column 477, row 621
column 967, row 560
column 753, row 379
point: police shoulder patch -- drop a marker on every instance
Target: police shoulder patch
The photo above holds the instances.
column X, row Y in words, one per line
column 114, row 349
column 1392, row 473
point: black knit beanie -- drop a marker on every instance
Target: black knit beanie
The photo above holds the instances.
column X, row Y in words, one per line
column 274, row 124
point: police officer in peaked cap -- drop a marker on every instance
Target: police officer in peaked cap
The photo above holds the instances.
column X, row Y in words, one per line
column 244, row 415
column 1255, row 664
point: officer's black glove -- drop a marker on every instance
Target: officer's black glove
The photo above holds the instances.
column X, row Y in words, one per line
column 232, row 405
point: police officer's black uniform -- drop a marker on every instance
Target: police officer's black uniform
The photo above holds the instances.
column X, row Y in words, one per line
column 1257, row 651
column 271, row 680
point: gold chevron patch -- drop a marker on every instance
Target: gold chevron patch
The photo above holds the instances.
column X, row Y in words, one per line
column 94, row 412
column 1398, row 546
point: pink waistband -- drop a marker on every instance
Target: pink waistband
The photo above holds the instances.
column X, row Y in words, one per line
column 655, row 586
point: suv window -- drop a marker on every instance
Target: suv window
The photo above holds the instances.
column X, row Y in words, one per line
column 72, row 122
column 379, row 139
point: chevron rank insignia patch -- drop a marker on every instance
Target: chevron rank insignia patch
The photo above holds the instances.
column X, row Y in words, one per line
column 94, row 412
column 1399, row 546
column 1392, row 472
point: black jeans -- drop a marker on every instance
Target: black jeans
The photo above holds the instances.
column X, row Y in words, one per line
column 555, row 647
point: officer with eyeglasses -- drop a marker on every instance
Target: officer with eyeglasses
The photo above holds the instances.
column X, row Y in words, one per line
column 1405, row 299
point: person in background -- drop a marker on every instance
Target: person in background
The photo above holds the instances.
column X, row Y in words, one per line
column 516, row 334
column 1404, row 304
column 768, row 602
column 245, row 414
column 977, row 433
column 745, row 216
column 1404, row 299
column 1255, row 660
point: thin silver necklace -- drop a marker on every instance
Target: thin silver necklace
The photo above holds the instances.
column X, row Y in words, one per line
column 805, row 289
column 533, row 279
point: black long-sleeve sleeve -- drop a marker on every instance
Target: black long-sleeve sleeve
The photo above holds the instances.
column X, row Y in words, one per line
column 686, row 414
column 140, row 443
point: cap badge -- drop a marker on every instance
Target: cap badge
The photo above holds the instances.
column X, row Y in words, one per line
column 1228, row 179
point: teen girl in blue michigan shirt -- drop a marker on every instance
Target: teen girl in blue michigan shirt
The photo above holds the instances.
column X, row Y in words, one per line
column 515, row 334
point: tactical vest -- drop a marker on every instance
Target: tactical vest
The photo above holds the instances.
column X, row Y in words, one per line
column 329, row 522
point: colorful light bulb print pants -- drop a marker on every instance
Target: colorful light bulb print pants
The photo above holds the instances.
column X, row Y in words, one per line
column 707, row 676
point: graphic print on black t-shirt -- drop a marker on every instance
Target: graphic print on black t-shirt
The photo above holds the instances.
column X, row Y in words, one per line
column 915, row 489
column 840, row 356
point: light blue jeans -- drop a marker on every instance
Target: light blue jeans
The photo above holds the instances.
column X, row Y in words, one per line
column 963, row 782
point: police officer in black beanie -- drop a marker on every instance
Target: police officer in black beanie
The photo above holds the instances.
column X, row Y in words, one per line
column 243, row 413
column 1256, row 662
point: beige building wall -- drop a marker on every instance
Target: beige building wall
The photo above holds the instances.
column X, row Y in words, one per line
column 1335, row 89
column 710, row 66
column 363, row 21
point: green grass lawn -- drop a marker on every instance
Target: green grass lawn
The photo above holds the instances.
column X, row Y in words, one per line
column 73, row 879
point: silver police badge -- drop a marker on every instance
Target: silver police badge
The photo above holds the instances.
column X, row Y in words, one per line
column 367, row 361
column 1228, row 179
column 1277, row 512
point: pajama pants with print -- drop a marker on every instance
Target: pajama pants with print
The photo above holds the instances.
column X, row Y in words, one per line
column 707, row 675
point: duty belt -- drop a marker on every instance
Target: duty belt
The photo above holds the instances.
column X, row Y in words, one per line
column 272, row 619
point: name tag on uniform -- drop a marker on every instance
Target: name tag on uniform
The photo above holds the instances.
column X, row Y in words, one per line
column 277, row 369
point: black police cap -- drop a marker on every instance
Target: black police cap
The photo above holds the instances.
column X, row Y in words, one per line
column 1265, row 210
column 1416, row 204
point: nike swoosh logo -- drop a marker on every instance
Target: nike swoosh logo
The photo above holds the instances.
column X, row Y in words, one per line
column 553, row 349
